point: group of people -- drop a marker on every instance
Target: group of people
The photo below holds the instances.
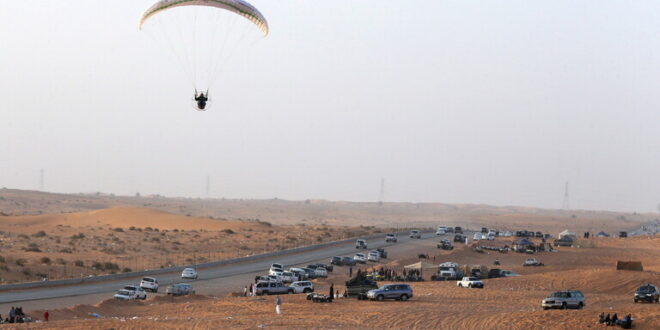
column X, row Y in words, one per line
column 16, row 315
column 625, row 323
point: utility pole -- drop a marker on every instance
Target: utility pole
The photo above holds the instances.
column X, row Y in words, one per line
column 381, row 197
column 566, row 204
column 208, row 187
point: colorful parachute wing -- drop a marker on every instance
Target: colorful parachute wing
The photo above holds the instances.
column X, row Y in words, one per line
column 239, row 7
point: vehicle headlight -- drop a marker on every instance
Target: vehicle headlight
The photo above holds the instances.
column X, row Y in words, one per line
column 649, row 294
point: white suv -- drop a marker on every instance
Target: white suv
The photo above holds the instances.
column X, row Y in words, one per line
column 321, row 272
column 360, row 258
column 149, row 284
column 301, row 287
column 374, row 256
column 189, row 273
column 134, row 292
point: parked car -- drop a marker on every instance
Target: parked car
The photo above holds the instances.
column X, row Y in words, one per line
column 124, row 294
column 450, row 230
column 459, row 238
column 415, row 234
column 484, row 230
column 139, row 292
column 360, row 258
column 445, row 244
column 311, row 273
column 265, row 288
column 391, row 291
column 299, row 274
column 348, row 261
column 336, row 261
column 490, row 237
column 532, row 262
column 180, row 289
column 301, row 287
column 476, row 236
column 268, row 278
column 321, row 272
column 190, row 273
column 648, row 293
column 383, row 253
column 538, row 234
column 470, row 282
column 458, row 230
column 373, row 256
column 149, row 284
column 391, row 238
column 275, row 271
column 288, row 277
column 441, row 230
column 277, row 266
column 361, row 244
column 564, row 300
column 329, row 267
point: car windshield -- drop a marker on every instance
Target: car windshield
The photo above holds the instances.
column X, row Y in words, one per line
column 560, row 295
column 123, row 292
column 147, row 279
column 645, row 289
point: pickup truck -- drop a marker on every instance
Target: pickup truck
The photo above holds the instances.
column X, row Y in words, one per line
column 264, row 288
column 390, row 238
column 470, row 282
column 532, row 262
column 361, row 244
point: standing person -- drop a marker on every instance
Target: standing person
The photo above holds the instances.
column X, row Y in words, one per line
column 245, row 291
column 46, row 315
column 278, row 303
column 332, row 292
column 251, row 289
column 350, row 271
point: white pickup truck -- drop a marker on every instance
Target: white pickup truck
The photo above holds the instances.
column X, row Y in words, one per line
column 470, row 282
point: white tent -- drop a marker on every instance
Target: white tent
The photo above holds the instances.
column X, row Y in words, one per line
column 567, row 233
column 421, row 265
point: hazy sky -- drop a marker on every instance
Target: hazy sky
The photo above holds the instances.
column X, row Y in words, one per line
column 497, row 102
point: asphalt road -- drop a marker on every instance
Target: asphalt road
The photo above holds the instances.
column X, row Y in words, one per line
column 218, row 280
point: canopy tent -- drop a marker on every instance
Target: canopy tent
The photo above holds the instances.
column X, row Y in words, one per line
column 421, row 265
column 567, row 233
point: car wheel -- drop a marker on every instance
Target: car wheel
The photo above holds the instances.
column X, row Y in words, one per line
column 404, row 297
column 580, row 305
column 545, row 308
column 144, row 297
column 635, row 301
column 290, row 292
column 460, row 285
column 380, row 298
column 307, row 290
column 564, row 306
column 470, row 285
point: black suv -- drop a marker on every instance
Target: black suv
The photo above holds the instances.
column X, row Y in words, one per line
column 336, row 261
column 647, row 293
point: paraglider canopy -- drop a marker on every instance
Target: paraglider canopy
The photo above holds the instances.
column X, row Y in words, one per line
column 240, row 7
column 204, row 35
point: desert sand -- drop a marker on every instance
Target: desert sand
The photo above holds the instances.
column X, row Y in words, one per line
column 505, row 303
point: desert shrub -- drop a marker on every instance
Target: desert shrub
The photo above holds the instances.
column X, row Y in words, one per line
column 40, row 234
column 97, row 265
column 23, row 236
column 131, row 228
column 58, row 240
column 265, row 223
column 126, row 270
column 4, row 267
column 32, row 247
column 21, row 262
column 110, row 266
column 2, row 260
column 79, row 263
column 148, row 229
column 190, row 260
column 45, row 260
column 244, row 247
column 42, row 275
column 66, row 250
column 27, row 272
column 155, row 239
column 60, row 261
column 175, row 230
column 248, row 236
column 119, row 230
column 319, row 238
column 228, row 231
column 78, row 236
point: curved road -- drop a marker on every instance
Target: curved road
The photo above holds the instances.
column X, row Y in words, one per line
column 222, row 279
